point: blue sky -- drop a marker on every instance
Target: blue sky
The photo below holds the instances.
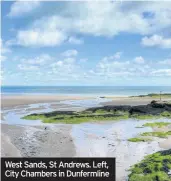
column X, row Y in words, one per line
column 86, row 43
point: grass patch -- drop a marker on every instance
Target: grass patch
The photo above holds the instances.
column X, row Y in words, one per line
column 75, row 118
column 166, row 114
column 144, row 116
column 157, row 124
column 139, row 139
column 157, row 134
column 154, row 167
column 94, row 114
column 157, row 96
column 101, row 111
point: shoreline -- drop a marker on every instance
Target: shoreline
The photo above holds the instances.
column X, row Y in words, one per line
column 9, row 101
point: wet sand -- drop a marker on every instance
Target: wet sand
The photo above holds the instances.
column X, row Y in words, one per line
column 8, row 149
column 166, row 144
column 29, row 141
column 32, row 141
column 18, row 100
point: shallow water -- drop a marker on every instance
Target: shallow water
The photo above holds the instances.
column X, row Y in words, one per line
column 13, row 116
column 110, row 140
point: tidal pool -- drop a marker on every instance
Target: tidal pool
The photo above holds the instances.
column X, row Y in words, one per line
column 109, row 139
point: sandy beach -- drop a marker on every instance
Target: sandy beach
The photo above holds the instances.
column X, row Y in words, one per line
column 63, row 140
column 17, row 100
column 132, row 101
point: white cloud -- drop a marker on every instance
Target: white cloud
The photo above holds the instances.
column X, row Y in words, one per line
column 113, row 68
column 165, row 62
column 4, row 49
column 2, row 58
column 27, row 67
column 83, row 60
column 139, row 60
column 39, row 38
column 156, row 40
column 117, row 55
column 68, row 69
column 69, row 60
column 1, row 76
column 39, row 60
column 19, row 8
column 65, row 69
column 74, row 40
column 161, row 72
column 70, row 53
column 97, row 19
column 35, row 63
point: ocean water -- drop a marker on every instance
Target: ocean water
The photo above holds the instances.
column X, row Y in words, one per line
column 86, row 90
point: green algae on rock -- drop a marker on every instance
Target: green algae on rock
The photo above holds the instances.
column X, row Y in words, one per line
column 157, row 124
column 157, row 134
column 139, row 139
column 75, row 117
column 151, row 111
column 154, row 167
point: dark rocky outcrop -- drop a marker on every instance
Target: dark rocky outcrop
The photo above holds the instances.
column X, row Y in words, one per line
column 154, row 108
column 110, row 108
column 54, row 113
column 115, row 112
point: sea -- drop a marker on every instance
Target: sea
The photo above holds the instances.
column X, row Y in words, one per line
column 86, row 90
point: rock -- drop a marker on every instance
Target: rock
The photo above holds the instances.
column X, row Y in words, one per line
column 154, row 108
column 153, row 102
column 110, row 108
column 156, row 104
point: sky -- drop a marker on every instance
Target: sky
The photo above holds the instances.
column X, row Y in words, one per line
column 86, row 43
